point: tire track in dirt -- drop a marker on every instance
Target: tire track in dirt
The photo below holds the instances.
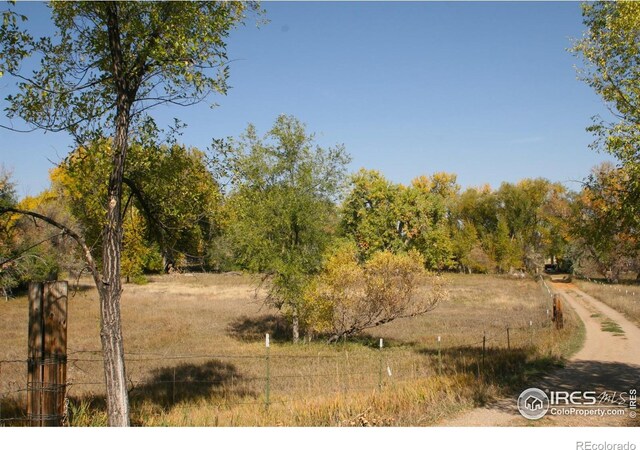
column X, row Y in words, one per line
column 607, row 362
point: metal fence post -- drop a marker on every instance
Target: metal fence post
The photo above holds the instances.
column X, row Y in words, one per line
column 268, row 384
column 173, row 390
column 484, row 348
column 380, row 371
column 439, row 356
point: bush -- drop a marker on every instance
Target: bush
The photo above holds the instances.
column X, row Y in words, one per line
column 348, row 297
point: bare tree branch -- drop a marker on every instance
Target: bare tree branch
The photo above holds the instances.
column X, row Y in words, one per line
column 65, row 230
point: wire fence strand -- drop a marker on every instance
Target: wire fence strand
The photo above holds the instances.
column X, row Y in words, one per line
column 240, row 379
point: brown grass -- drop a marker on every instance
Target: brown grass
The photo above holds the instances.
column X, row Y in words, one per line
column 196, row 356
column 624, row 298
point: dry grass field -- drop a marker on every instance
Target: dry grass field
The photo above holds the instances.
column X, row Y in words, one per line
column 621, row 297
column 196, row 356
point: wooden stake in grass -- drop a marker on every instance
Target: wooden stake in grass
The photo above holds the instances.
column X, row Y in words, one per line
column 531, row 333
column 268, row 385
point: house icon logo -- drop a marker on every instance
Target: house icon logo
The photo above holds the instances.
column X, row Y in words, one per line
column 533, row 403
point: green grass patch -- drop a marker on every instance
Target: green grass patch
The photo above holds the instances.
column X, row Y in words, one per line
column 575, row 337
column 610, row 326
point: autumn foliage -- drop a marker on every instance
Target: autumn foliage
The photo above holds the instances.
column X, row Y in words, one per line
column 350, row 296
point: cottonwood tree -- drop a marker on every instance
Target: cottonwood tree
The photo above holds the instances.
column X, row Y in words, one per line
column 610, row 49
column 168, row 191
column 599, row 225
column 519, row 225
column 282, row 206
column 371, row 213
column 381, row 215
column 424, row 206
column 106, row 65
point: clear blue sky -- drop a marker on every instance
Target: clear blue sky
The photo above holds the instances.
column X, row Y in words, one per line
column 484, row 90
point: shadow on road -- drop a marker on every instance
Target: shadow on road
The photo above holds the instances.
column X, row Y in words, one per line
column 598, row 376
column 593, row 376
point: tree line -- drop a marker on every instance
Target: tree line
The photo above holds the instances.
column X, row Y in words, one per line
column 282, row 206
column 132, row 203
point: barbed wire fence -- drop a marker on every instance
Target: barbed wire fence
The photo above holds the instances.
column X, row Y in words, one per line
column 275, row 376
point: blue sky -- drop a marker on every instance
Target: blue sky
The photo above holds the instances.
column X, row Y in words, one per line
column 485, row 90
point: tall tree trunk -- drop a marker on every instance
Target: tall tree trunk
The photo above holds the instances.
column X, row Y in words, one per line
column 111, row 329
column 295, row 327
column 111, row 289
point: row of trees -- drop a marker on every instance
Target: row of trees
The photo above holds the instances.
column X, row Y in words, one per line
column 280, row 205
column 111, row 62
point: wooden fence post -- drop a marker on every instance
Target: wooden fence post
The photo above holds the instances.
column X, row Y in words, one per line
column 35, row 348
column 47, row 353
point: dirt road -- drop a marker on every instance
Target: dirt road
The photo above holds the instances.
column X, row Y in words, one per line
column 609, row 361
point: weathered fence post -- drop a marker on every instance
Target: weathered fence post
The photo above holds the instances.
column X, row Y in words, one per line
column 34, row 355
column 508, row 340
column 47, row 353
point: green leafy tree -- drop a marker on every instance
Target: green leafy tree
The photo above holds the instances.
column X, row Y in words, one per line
column 107, row 64
column 506, row 252
column 467, row 249
column 371, row 213
column 610, row 49
column 423, row 221
column 381, row 215
column 531, row 207
column 282, row 207
column 478, row 206
column 170, row 185
column 7, row 200
column 134, row 248
column 519, row 225
column 7, row 188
